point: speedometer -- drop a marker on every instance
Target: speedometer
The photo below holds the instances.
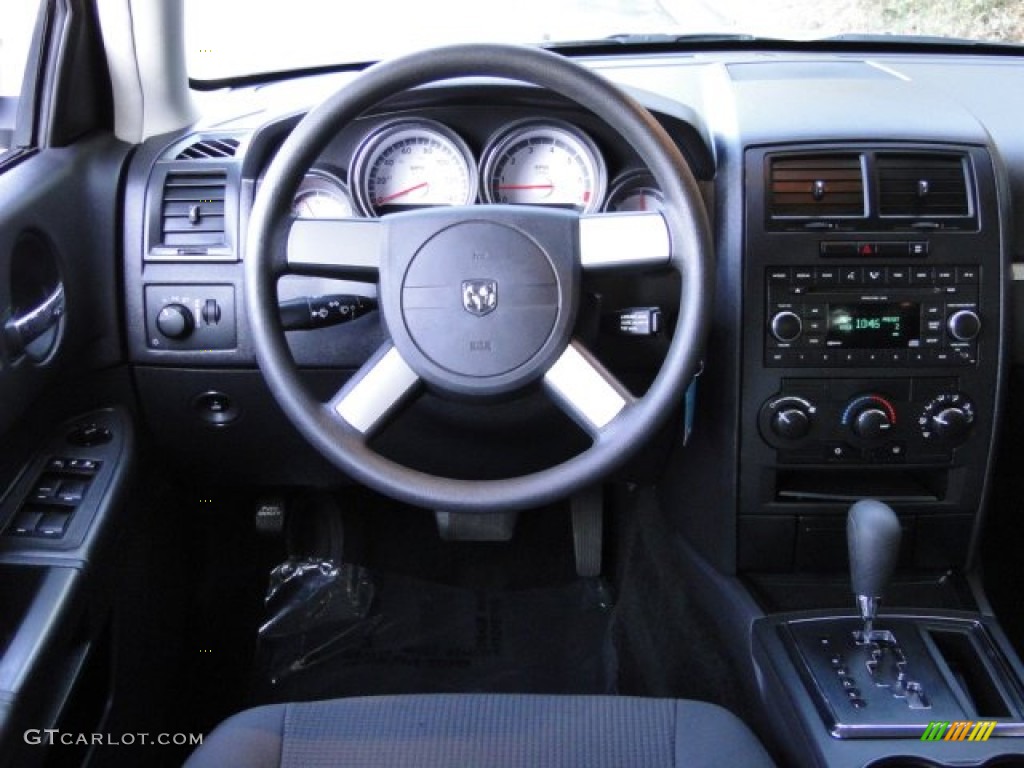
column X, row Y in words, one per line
column 413, row 163
column 544, row 162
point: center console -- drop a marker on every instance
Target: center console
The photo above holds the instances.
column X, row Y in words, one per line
column 873, row 280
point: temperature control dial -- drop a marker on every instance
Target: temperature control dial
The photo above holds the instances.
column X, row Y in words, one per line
column 869, row 417
column 948, row 417
column 788, row 419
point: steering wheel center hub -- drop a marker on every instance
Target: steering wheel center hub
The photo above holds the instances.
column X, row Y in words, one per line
column 480, row 299
column 481, row 306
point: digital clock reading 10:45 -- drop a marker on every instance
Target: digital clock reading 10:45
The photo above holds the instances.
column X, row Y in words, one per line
column 873, row 326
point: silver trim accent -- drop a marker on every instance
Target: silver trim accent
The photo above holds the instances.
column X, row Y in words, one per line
column 379, row 388
column 581, row 385
column 23, row 330
column 344, row 246
column 624, row 240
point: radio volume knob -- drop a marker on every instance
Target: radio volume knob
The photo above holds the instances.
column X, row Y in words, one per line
column 786, row 326
column 964, row 325
column 175, row 321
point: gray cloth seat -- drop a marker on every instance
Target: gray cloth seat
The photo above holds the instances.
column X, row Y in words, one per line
column 430, row 731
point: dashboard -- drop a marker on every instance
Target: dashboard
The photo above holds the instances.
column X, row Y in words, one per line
column 863, row 208
column 861, row 212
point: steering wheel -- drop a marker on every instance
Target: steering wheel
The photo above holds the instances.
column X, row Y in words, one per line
column 479, row 301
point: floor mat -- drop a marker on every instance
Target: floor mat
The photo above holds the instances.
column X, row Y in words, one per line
column 334, row 632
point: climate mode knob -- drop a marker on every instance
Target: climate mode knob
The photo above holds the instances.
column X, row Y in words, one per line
column 964, row 325
column 949, row 417
column 786, row 326
column 175, row 321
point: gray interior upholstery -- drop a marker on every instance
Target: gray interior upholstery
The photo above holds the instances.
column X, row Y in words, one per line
column 429, row 731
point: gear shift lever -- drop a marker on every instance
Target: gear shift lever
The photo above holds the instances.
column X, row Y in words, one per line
column 873, row 537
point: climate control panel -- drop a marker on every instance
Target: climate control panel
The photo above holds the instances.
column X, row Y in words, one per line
column 864, row 421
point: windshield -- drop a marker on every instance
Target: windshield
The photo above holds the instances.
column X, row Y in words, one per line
column 232, row 38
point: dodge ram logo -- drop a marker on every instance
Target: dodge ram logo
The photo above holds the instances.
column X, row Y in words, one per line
column 479, row 297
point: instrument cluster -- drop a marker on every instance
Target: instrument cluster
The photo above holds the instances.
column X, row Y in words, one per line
column 416, row 162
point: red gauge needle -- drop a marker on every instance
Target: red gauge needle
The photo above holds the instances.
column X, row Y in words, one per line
column 526, row 186
column 399, row 193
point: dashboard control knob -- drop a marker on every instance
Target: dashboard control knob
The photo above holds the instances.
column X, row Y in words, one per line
column 785, row 420
column 791, row 423
column 869, row 417
column 786, row 326
column 175, row 321
column 871, row 423
column 951, row 424
column 948, row 417
column 964, row 325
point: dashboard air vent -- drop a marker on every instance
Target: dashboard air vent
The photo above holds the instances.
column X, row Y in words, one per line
column 922, row 185
column 209, row 148
column 816, row 186
column 192, row 216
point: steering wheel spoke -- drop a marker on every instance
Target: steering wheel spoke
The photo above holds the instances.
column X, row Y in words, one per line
column 585, row 389
column 340, row 248
column 375, row 391
column 624, row 240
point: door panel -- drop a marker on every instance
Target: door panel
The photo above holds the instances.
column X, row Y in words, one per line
column 58, row 224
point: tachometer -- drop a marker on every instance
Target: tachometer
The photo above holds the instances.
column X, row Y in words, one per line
column 635, row 191
column 413, row 163
column 322, row 195
column 544, row 162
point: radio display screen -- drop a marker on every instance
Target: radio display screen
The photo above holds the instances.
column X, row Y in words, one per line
column 873, row 326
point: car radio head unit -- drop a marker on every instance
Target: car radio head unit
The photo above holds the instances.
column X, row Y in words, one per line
column 874, row 316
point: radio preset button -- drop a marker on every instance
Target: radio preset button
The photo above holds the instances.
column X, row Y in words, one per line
column 967, row 275
column 899, row 275
column 826, row 276
column 803, row 277
column 922, row 276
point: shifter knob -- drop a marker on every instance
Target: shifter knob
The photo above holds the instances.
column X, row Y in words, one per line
column 873, row 537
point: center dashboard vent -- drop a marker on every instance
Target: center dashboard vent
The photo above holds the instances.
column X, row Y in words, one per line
column 209, row 149
column 192, row 211
column 816, row 186
column 922, row 185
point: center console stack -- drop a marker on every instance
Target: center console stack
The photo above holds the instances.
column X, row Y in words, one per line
column 872, row 317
